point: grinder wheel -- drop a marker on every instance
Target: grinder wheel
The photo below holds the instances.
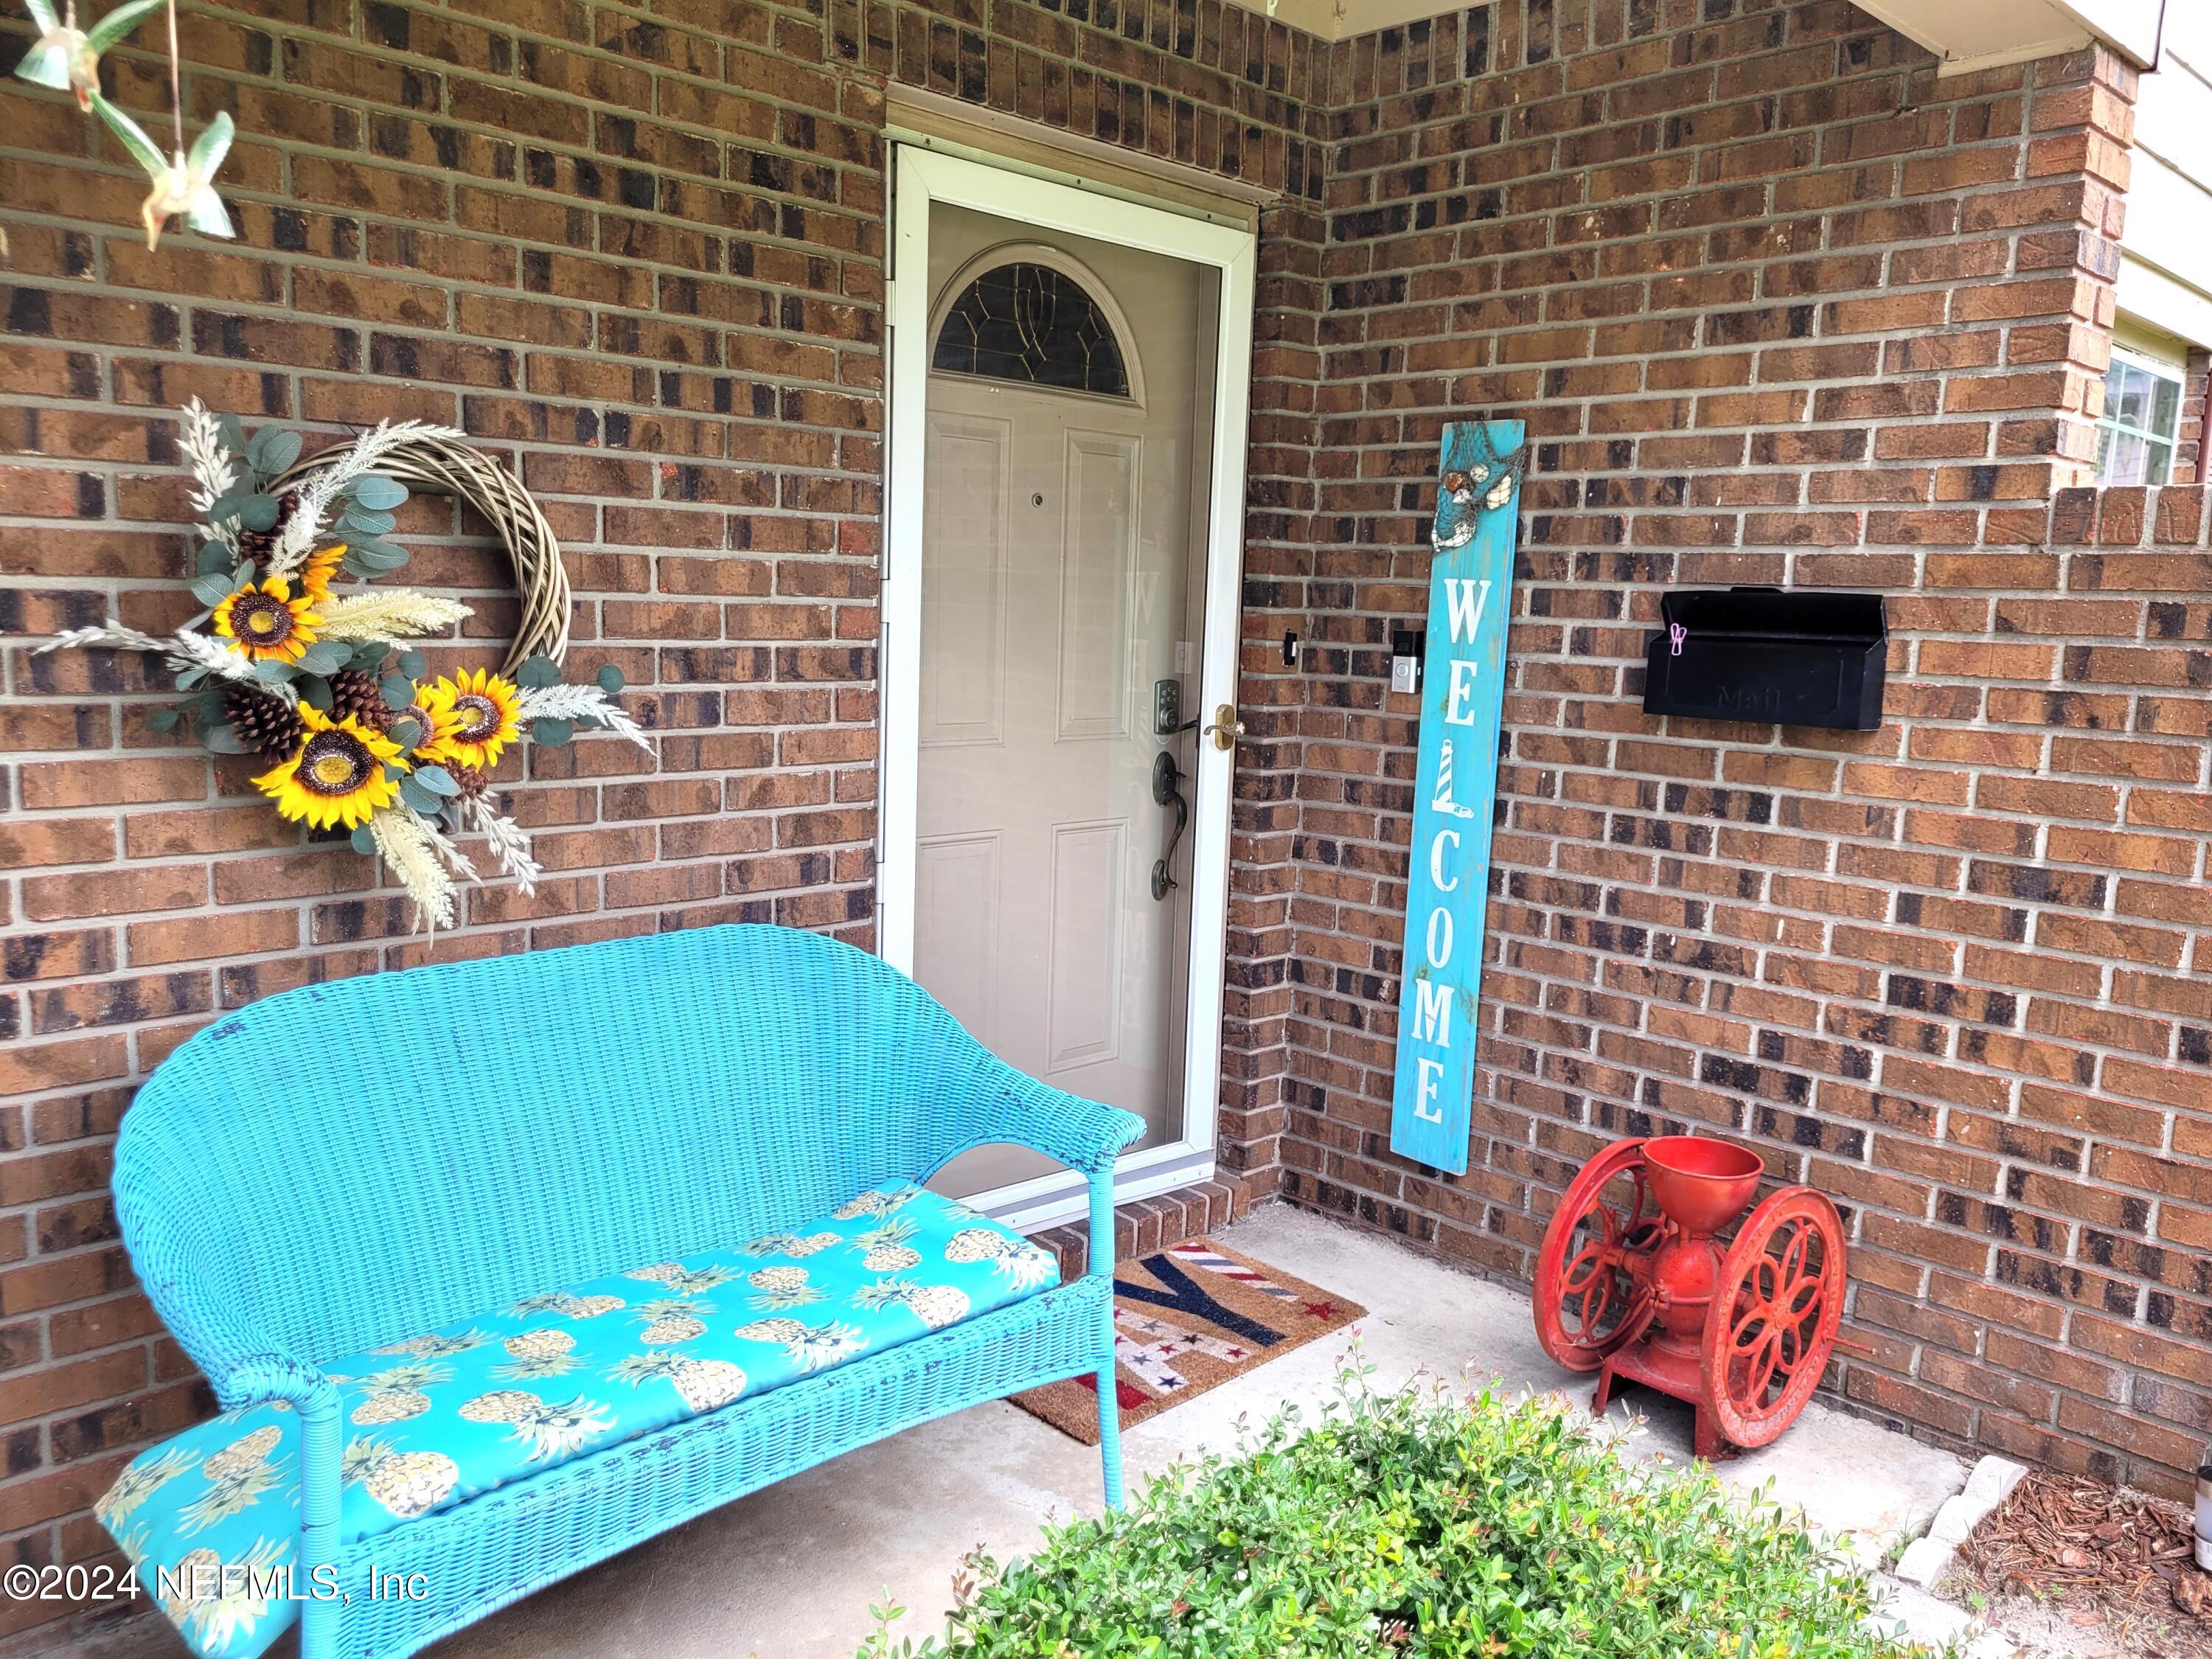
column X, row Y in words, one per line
column 1591, row 1297
column 1776, row 1308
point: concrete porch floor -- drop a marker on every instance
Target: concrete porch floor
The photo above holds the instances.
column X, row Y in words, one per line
column 790, row 1573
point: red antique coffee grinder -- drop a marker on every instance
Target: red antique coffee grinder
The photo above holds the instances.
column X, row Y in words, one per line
column 1634, row 1283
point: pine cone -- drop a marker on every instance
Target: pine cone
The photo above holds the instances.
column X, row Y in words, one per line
column 270, row 727
column 260, row 546
column 360, row 695
column 473, row 780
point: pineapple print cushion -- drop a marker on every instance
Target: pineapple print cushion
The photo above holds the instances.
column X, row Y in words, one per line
column 439, row 1419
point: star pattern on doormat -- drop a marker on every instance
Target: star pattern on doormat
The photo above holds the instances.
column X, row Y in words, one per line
column 1187, row 1319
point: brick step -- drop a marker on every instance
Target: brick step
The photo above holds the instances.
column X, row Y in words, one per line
column 1145, row 1226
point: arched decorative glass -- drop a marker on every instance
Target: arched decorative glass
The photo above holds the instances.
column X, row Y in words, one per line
column 1032, row 324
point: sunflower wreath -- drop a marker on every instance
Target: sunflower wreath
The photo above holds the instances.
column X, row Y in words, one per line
column 314, row 676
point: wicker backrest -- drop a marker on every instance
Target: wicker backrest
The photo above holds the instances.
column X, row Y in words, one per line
column 344, row 1165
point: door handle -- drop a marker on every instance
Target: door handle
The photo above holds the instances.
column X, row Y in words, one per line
column 1165, row 778
column 1226, row 727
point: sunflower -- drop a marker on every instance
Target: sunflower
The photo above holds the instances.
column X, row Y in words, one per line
column 337, row 777
column 320, row 571
column 435, row 726
column 266, row 621
column 484, row 713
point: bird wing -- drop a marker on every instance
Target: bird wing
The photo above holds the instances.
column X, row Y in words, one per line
column 148, row 154
column 212, row 146
column 46, row 64
column 118, row 23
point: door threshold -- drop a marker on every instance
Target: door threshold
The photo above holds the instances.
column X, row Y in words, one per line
column 1064, row 1195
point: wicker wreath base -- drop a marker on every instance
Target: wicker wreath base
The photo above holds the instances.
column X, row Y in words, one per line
column 447, row 466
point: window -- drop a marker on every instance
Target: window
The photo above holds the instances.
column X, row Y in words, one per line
column 2142, row 416
column 1035, row 325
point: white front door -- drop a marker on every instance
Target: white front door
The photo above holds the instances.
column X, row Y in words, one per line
column 1062, row 653
column 1059, row 615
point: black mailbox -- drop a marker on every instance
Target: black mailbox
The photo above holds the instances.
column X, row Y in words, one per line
column 1806, row 658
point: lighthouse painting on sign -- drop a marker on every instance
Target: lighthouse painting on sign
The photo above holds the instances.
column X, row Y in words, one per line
column 1462, row 698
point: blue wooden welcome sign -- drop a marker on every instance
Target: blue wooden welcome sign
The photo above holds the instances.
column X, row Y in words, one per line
column 1462, row 699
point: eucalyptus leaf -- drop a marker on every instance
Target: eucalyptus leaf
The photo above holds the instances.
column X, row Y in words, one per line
column 378, row 493
column 406, row 733
column 437, row 780
column 364, row 841
column 257, row 512
column 360, row 522
column 213, row 557
column 233, row 434
column 213, row 588
column 317, row 695
column 275, row 672
column 551, row 732
column 191, row 678
column 273, row 449
column 325, row 656
column 398, row 691
column 369, row 655
column 538, row 673
column 224, row 740
column 165, row 720
column 611, row 679
column 414, row 664
column 422, row 800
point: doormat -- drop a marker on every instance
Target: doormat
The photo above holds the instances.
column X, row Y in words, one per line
column 1187, row 1320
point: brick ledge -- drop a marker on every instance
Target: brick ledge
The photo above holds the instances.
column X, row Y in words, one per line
column 1145, row 1225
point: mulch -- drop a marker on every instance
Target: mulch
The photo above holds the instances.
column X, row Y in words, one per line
column 2114, row 1557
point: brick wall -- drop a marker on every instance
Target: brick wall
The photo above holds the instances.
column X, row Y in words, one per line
column 1779, row 305
column 2196, row 391
column 1782, row 306
column 637, row 252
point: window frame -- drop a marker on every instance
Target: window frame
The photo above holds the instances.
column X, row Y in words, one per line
column 1100, row 295
column 2110, row 427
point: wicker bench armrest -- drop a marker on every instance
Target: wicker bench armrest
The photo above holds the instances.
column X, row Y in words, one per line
column 265, row 1376
column 1084, row 1134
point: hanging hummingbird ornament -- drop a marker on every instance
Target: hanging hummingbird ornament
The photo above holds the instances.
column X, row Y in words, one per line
column 67, row 57
column 183, row 184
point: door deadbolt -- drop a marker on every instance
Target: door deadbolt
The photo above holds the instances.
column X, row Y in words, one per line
column 1226, row 727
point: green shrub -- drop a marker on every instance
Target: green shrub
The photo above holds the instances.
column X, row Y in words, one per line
column 1417, row 1523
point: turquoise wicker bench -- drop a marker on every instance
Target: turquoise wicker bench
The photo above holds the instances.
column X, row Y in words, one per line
column 402, row 1222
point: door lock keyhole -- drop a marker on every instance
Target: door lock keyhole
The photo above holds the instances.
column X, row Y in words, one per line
column 1166, row 778
column 1037, row 500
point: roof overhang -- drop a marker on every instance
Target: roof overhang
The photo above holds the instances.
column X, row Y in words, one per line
column 1966, row 34
column 1977, row 34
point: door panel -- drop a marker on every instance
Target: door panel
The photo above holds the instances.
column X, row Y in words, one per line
column 963, row 600
column 1062, row 582
column 1088, row 920
column 1100, row 471
column 958, row 927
